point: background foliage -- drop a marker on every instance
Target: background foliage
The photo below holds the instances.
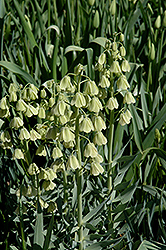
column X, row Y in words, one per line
column 45, row 40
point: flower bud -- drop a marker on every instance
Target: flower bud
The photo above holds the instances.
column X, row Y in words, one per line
column 51, row 102
column 73, row 163
column 78, row 100
column 43, row 93
column 157, row 135
column 96, row 20
column 128, row 98
column 86, row 125
column 122, row 51
column 113, row 7
column 90, row 150
column 78, row 70
column 41, row 151
column 164, row 19
column 112, row 103
column 96, row 168
column 95, row 105
column 24, row 134
column 42, row 113
column 99, row 139
column 108, row 44
column 18, row 154
column 152, row 52
column 121, row 37
column 102, row 59
column 56, row 153
column 16, row 123
column 158, row 22
column 114, row 46
column 66, row 135
column 91, row 2
column 33, row 169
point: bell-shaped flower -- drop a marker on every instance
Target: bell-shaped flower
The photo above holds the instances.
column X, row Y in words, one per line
column 98, row 123
column 98, row 158
column 21, row 105
column 73, row 162
column 33, row 169
column 12, row 88
column 86, row 125
column 95, row 105
column 66, row 117
column 104, row 82
column 3, row 103
column 91, row 88
column 13, row 97
column 49, row 185
column 112, row 103
column 41, row 151
column 96, row 168
column 24, row 134
column 60, row 108
column 18, row 154
column 115, row 67
column 51, row 102
column 31, row 110
column 128, row 98
column 122, row 83
column 99, row 139
column 43, row 93
column 78, row 69
column 65, row 83
column 56, row 153
column 4, row 112
column 5, row 136
column 51, row 174
column 33, row 95
column 58, row 165
column 90, row 150
column 52, row 133
column 43, row 175
column 42, row 113
column 125, row 118
column 16, row 123
column 66, row 135
column 102, row 59
column 34, row 135
column 78, row 100
column 125, row 66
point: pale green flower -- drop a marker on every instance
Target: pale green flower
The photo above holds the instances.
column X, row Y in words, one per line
column 24, row 134
column 98, row 123
column 73, row 162
column 52, row 133
column 3, row 103
column 102, row 59
column 99, row 139
column 42, row 113
column 122, row 51
column 122, row 83
column 91, row 88
column 33, row 169
column 78, row 100
column 60, row 108
column 18, row 154
column 115, row 67
column 13, row 97
column 51, row 102
column 125, row 118
column 5, row 136
column 58, row 165
column 98, row 158
column 65, row 83
column 12, row 88
column 21, row 105
column 125, row 66
column 104, row 82
column 16, row 123
column 86, row 125
column 96, row 168
column 90, row 150
column 34, row 135
column 56, row 153
column 95, row 105
column 66, row 135
column 112, row 103
column 41, row 151
column 43, row 93
column 128, row 98
column 69, row 144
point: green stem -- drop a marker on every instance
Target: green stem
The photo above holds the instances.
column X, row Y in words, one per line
column 21, row 223
column 110, row 148
column 49, row 20
column 79, row 177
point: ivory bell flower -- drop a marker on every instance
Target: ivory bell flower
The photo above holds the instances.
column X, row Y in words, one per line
column 104, row 82
column 41, row 151
column 95, row 105
column 86, row 125
column 128, row 98
column 98, row 123
column 125, row 66
column 90, row 150
column 122, row 83
column 78, row 100
column 33, row 169
column 73, row 162
column 16, row 123
column 3, row 103
column 18, row 154
column 115, row 67
column 112, row 103
column 96, row 168
column 24, row 134
column 21, row 105
column 34, row 135
column 91, row 88
column 56, row 153
column 66, row 135
column 125, row 118
column 99, row 139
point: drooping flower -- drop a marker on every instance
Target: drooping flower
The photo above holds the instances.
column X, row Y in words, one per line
column 125, row 66
column 16, row 123
column 86, row 125
column 52, row 133
column 41, row 151
column 98, row 123
column 21, row 105
column 66, row 135
column 33, row 169
column 34, row 135
column 56, row 153
column 99, row 139
column 115, row 67
column 96, row 168
column 18, row 154
column 95, row 105
column 102, row 59
column 125, row 118
column 128, row 98
column 112, row 103
column 73, row 162
column 91, row 88
column 104, row 82
column 90, row 150
column 3, row 103
column 122, row 83
column 24, row 134
column 42, row 113
column 78, row 100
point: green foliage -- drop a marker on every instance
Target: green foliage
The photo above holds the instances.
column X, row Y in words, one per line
column 83, row 161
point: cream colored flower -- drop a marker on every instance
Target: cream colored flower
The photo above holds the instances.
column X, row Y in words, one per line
column 112, row 103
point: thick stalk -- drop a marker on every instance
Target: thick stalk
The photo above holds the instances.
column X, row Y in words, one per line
column 79, row 177
column 49, row 19
column 110, row 148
